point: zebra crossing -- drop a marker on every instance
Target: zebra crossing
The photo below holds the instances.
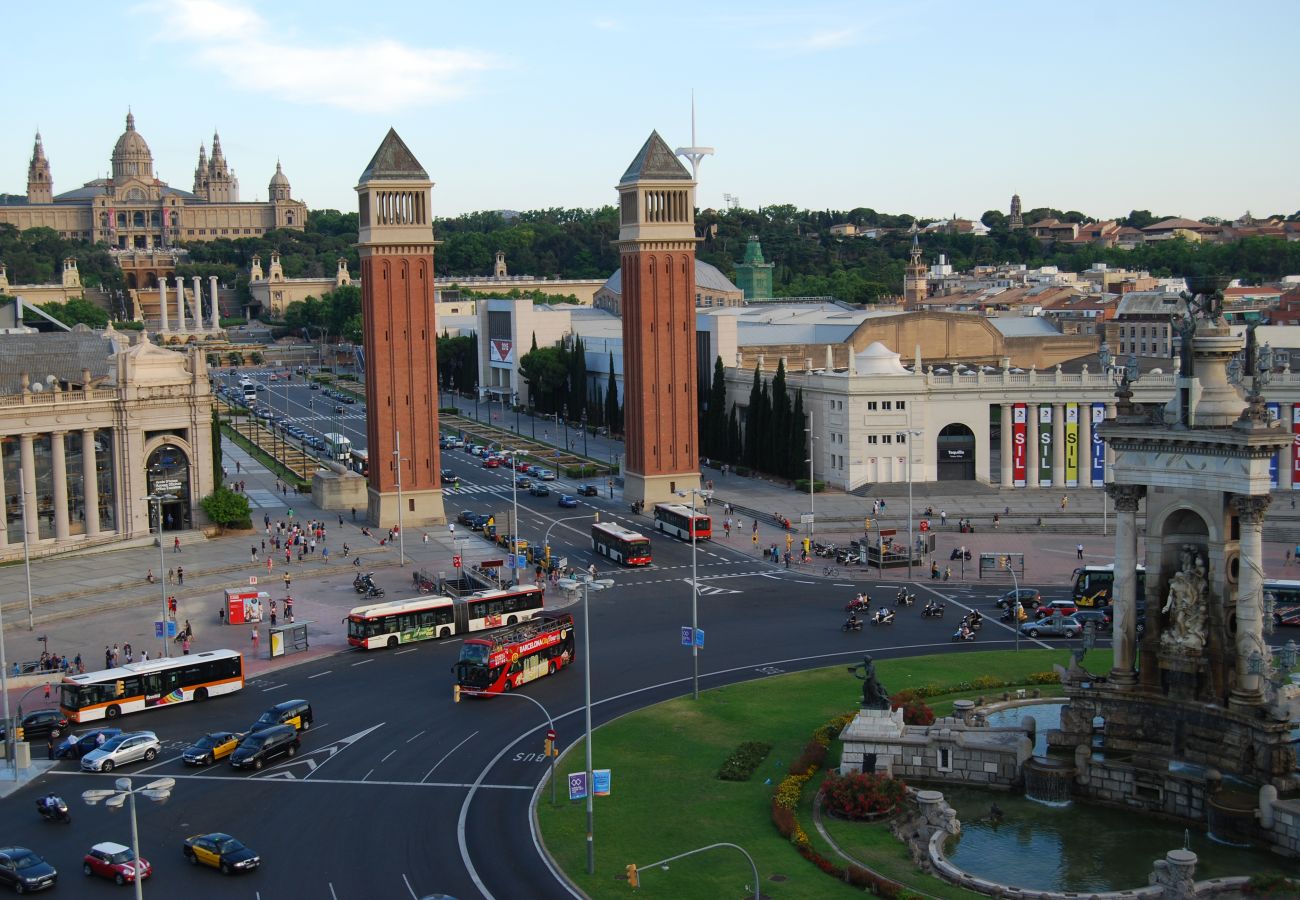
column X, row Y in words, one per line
column 465, row 489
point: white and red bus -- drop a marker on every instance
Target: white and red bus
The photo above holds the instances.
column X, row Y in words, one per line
column 133, row 687
column 620, row 544
column 673, row 518
column 511, row 658
column 421, row 618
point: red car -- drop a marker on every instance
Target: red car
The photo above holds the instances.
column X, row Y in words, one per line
column 1064, row 607
column 491, row 462
column 115, row 861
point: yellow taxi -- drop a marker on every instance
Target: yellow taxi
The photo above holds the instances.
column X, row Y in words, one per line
column 220, row 851
column 211, row 747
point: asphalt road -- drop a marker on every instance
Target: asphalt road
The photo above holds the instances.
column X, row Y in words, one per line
column 399, row 792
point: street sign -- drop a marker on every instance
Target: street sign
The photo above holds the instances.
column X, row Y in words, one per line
column 252, row 579
column 686, row 636
column 577, row 785
column 521, row 561
column 550, row 734
column 455, row 561
column 158, row 629
column 510, row 562
column 699, row 638
column 600, row 782
column 805, row 518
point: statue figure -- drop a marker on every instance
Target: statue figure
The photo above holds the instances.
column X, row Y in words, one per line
column 874, row 695
column 1186, row 604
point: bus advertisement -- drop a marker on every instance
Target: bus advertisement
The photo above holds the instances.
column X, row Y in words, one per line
column 133, row 687
column 421, row 618
column 360, row 463
column 675, row 519
column 619, row 544
column 1284, row 597
column 1094, row 585
column 512, row 658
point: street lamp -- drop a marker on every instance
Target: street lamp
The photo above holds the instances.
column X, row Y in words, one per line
column 584, row 432
column 158, row 499
column 1015, row 603
column 157, row 791
column 695, row 593
column 10, row 738
column 811, row 483
column 514, row 401
column 401, row 535
column 588, row 585
column 514, row 525
column 27, row 559
column 911, row 540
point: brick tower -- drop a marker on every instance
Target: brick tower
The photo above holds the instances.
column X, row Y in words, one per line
column 395, row 239
column 656, row 241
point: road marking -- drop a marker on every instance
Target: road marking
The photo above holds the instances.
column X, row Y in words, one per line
column 364, row 661
column 319, row 674
column 414, row 736
column 414, row 896
column 274, row 687
column 332, row 894
column 367, row 775
column 444, row 757
column 408, row 650
column 307, row 761
column 385, row 759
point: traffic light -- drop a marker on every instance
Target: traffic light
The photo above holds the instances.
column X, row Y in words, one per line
column 119, row 689
column 633, row 877
column 547, row 746
column 18, row 733
column 597, row 515
column 455, row 693
column 867, row 525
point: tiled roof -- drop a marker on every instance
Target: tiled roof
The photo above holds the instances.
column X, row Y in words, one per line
column 655, row 162
column 62, row 354
column 707, row 277
column 393, row 160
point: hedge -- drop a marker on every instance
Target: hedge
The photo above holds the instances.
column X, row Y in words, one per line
column 801, row 485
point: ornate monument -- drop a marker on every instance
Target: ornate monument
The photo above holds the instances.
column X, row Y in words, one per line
column 874, row 695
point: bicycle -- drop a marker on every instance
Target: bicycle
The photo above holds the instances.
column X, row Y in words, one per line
column 829, row 572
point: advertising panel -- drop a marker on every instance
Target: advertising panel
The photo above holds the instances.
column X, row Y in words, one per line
column 1019, row 433
column 1071, row 445
column 1295, row 443
column 1098, row 445
column 1275, row 413
column 1045, row 445
column 501, row 353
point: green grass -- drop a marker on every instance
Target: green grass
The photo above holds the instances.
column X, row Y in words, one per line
column 283, row 472
column 665, row 798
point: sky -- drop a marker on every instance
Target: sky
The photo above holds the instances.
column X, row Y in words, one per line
column 928, row 107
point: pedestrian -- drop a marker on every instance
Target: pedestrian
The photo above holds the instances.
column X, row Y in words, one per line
column 1079, row 551
column 252, row 554
column 128, row 653
column 273, row 618
column 76, row 662
column 288, row 555
column 180, row 575
column 947, row 572
column 934, row 570
column 882, row 504
column 325, row 551
column 997, row 520
column 875, row 508
column 49, row 738
column 263, row 545
column 189, row 632
column 340, row 520
column 144, row 656
column 47, row 690
column 108, row 658
column 221, row 614
column 185, row 647
column 1065, row 501
column 149, row 577
column 176, row 544
column 755, row 528
column 312, row 545
column 255, row 638
column 171, row 605
column 787, row 559
column 115, row 652
column 943, row 517
column 288, row 610
column 237, row 467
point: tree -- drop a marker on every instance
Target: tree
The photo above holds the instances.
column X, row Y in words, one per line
column 995, row 219
column 735, row 445
column 227, row 508
column 713, row 427
column 612, row 418
column 547, row 375
column 77, row 311
column 753, row 421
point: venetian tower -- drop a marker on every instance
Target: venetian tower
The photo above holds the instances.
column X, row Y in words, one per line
column 656, row 242
column 395, row 240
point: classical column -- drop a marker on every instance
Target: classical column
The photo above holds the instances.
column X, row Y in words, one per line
column 1124, row 593
column 1031, row 445
column 1284, row 464
column 1058, row 445
column 1085, row 445
column 1007, row 473
column 59, row 474
column 1250, row 600
column 162, row 302
column 4, row 512
column 89, row 481
column 196, row 303
column 28, row 458
column 216, row 312
column 180, row 304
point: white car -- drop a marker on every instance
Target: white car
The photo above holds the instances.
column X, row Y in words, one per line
column 125, row 748
column 546, row 475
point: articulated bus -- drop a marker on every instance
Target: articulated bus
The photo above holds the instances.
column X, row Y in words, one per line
column 673, row 518
column 1286, row 601
column 148, row 685
column 620, row 544
column 1094, row 585
column 422, row 618
column 512, row 658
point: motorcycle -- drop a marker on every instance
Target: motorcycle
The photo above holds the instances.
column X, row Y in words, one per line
column 962, row 634
column 959, row 553
column 972, row 621
column 636, row 506
column 883, row 616
column 858, row 603
column 825, row 551
column 847, row 557
column 374, row 590
column 932, row 610
column 851, row 625
column 905, row 597
column 55, row 811
column 363, row 583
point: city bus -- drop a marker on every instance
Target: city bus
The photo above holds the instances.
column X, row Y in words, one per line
column 147, row 685
column 1093, row 585
column 673, row 518
column 421, row 618
column 249, row 390
column 337, row 447
column 360, row 463
column 512, row 658
column 1286, row 601
column 620, row 544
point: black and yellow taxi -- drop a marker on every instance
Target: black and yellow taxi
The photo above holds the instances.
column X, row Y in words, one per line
column 221, row 851
column 211, row 747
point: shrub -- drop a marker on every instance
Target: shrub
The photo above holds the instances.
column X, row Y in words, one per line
column 789, row 790
column 987, row 682
column 861, row 795
column 1043, row 678
column 1271, row 885
column 227, row 509
column 742, row 762
column 742, row 471
column 915, row 711
column 801, row 485
column 448, row 411
column 831, row 730
column 810, row 760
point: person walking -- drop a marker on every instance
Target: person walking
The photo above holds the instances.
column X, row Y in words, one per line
column 943, row 517
column 252, row 554
column 108, row 658
column 255, row 640
column 185, row 647
column 1065, row 501
column 325, row 551
column 288, row 610
column 947, row 572
column 176, row 544
column 180, row 575
column 1078, row 551
column 114, row 657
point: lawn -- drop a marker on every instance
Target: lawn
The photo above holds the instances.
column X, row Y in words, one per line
column 665, row 798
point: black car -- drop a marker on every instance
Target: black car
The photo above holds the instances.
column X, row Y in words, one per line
column 449, row 477
column 587, row 490
column 260, row 747
column 349, row 399
column 24, row 871
column 537, row 489
column 77, row 746
column 41, row 723
column 1101, row 616
column 1029, row 598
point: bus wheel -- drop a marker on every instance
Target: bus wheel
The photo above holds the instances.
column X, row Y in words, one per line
column 201, row 694
column 446, row 632
column 550, row 667
column 392, row 642
column 512, row 621
column 113, row 711
column 505, row 688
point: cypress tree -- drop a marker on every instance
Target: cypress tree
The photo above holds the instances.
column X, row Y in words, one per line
column 753, row 419
column 781, row 440
column 716, row 414
column 797, row 426
column 611, row 400
column 734, row 445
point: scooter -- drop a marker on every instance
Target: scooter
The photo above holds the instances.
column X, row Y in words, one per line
column 374, row 590
column 858, row 603
column 958, row 553
column 962, row 634
column 904, row 597
column 636, row 506
column 363, row 583
column 883, row 616
column 932, row 611
column 972, row 621
column 57, row 812
column 825, row 551
column 851, row 625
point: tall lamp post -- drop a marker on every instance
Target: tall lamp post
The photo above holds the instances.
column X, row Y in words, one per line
column 812, row 484
column 911, row 538
column 158, row 499
column 584, row 432
column 401, row 534
column 588, row 585
column 158, row 791
column 514, row 401
column 695, row 593
column 514, row 525
column 27, row 559
column 9, row 740
column 1015, row 604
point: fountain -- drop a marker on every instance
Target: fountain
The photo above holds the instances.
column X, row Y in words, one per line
column 1049, row 780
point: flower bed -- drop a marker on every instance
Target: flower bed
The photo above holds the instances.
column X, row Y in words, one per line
column 862, row 796
column 742, row 762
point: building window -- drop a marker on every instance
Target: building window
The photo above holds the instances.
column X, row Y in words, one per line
column 902, row 404
column 944, row 761
column 886, row 439
column 871, row 439
column 901, row 438
column 886, row 404
column 871, row 406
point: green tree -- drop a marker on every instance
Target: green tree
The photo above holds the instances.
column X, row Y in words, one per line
column 547, row 375
column 753, row 421
column 735, row 444
column 612, row 419
column 227, row 508
column 76, row 311
column 779, row 434
column 713, row 424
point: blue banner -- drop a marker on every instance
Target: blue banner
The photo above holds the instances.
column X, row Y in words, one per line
column 1098, row 445
column 1275, row 413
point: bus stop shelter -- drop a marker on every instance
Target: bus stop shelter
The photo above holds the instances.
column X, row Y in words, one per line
column 289, row 638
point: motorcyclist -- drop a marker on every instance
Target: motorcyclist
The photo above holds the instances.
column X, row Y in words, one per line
column 884, row 614
column 976, row 619
column 852, row 622
column 50, row 803
column 965, row 632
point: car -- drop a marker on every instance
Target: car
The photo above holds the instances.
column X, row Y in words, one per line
column 491, row 462
column 1064, row 607
column 1102, row 616
column 260, row 747
column 1029, row 598
column 455, row 443
column 41, row 723
column 588, row 490
column 221, row 851
column 349, row 399
column 315, row 386
column 297, row 713
column 546, row 474
column 533, row 469
column 24, row 871
column 522, row 482
column 449, row 477
column 211, row 747
column 466, row 517
column 132, row 746
column 537, row 489
column 568, row 501
column 115, row 861
column 77, row 746
column 1053, row 626
column 260, row 386
column 478, row 522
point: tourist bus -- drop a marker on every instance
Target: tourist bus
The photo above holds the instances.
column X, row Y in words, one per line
column 1286, row 601
column 512, row 658
column 422, row 618
column 360, row 462
column 150, row 684
column 337, row 447
column 673, row 518
column 249, row 390
column 620, row 544
column 1094, row 585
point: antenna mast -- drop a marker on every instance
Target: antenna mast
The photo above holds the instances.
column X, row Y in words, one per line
column 694, row 153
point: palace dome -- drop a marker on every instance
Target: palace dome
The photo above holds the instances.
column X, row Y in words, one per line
column 131, row 155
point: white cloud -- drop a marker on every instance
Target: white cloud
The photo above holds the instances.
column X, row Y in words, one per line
column 367, row 76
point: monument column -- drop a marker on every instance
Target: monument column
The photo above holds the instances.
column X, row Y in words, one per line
column 1031, row 445
column 1007, row 472
column 1124, row 593
column 216, row 310
column 59, row 475
column 1084, row 447
column 196, row 302
column 1058, row 445
column 162, row 302
column 1285, row 466
column 90, row 481
column 27, row 458
column 4, row 520
column 1250, row 600
column 180, row 303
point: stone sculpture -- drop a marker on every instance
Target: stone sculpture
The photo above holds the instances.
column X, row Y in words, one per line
column 1186, row 605
column 874, row 695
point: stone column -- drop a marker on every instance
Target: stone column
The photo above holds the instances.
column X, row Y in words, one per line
column 1250, row 600
column 216, row 311
column 196, row 303
column 90, row 481
column 1031, row 445
column 180, row 304
column 1085, row 445
column 59, row 475
column 28, row 457
column 4, row 512
column 162, row 302
column 1007, row 473
column 1058, row 445
column 1287, row 416
column 1124, row 638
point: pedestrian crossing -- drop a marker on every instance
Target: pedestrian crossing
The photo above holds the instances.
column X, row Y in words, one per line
column 461, row 489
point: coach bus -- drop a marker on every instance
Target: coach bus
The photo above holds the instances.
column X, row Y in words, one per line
column 337, row 447
column 620, row 544
column 153, row 683
column 249, row 391
column 1094, row 585
column 673, row 518
column 512, row 658
column 360, row 462
column 422, row 618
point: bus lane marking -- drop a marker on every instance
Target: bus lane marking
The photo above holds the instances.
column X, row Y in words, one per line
column 274, row 687
column 363, row 662
column 319, row 674
column 308, row 761
column 444, row 757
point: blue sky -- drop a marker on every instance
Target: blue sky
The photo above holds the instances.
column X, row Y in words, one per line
column 924, row 107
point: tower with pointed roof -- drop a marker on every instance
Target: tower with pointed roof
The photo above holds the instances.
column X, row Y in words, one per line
column 201, row 174
column 1016, row 220
column 656, row 242
column 221, row 183
column 915, row 286
column 754, row 276
column 40, row 186
column 399, row 334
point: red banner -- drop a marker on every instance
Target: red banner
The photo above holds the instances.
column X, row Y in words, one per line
column 1295, row 444
column 1019, row 434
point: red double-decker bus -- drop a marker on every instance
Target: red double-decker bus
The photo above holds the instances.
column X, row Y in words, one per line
column 508, row 659
column 673, row 518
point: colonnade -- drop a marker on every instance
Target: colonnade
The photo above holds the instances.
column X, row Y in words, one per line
column 1049, row 418
column 195, row 305
column 26, row 491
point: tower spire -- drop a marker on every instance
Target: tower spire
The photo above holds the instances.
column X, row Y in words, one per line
column 40, row 186
column 694, row 153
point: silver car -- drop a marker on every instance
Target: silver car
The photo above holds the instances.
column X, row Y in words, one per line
column 125, row 748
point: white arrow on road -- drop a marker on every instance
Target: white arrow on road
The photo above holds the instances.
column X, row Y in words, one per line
column 316, row 758
column 705, row 590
